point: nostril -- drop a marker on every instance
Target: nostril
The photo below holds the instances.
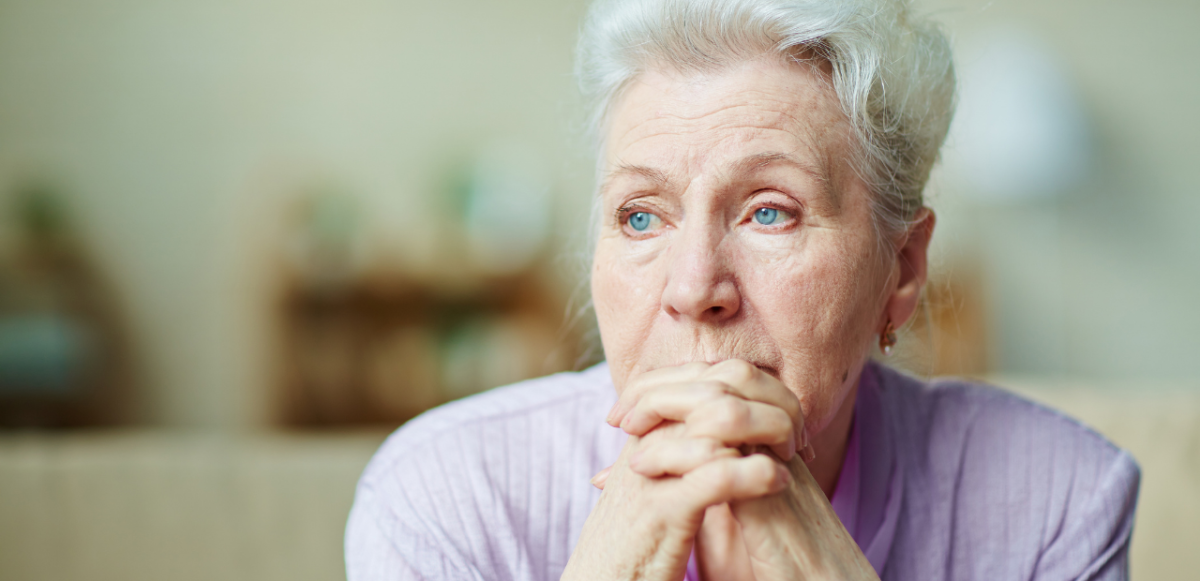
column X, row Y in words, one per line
column 704, row 298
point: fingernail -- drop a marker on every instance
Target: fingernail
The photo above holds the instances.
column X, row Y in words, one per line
column 781, row 477
column 808, row 454
column 600, row 477
column 612, row 414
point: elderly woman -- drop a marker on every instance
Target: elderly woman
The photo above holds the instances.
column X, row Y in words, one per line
column 760, row 231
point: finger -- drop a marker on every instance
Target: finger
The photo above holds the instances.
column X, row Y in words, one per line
column 752, row 383
column 649, row 380
column 732, row 479
column 678, row 456
column 736, row 422
column 808, row 454
column 670, row 402
column 709, row 409
column 601, row 477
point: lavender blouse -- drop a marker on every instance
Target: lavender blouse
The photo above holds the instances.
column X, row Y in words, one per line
column 942, row 480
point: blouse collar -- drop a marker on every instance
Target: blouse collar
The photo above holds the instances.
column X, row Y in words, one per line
column 870, row 488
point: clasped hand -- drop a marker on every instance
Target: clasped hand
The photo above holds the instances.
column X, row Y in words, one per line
column 715, row 461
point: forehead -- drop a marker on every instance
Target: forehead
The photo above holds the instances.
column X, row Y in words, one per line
column 691, row 122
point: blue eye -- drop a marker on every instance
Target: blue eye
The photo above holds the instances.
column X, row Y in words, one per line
column 766, row 216
column 640, row 221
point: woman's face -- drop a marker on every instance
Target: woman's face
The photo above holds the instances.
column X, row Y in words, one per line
column 734, row 227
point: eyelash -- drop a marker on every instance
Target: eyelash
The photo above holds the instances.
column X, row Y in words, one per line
column 622, row 213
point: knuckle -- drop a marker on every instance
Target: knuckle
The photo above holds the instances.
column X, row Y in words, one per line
column 648, row 440
column 730, row 414
column 724, row 476
column 707, row 447
column 760, row 470
column 795, row 412
column 648, row 401
column 737, row 371
column 630, row 396
column 711, row 390
column 712, row 448
column 792, row 404
column 780, row 421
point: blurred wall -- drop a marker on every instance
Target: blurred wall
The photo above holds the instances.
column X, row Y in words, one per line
column 1098, row 282
column 183, row 131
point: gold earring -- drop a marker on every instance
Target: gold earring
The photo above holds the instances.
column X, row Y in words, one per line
column 887, row 339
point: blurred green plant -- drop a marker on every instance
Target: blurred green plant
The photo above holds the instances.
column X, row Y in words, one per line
column 41, row 212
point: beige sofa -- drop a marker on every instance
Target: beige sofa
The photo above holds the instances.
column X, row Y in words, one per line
column 170, row 505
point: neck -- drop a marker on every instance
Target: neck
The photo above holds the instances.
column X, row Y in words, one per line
column 830, row 444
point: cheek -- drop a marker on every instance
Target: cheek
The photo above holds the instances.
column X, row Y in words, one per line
column 605, row 285
column 625, row 305
column 809, row 299
column 617, row 287
column 818, row 306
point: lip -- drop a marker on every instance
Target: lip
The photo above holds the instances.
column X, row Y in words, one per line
column 768, row 370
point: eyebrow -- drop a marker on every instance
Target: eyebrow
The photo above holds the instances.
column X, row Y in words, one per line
column 817, row 172
column 743, row 166
column 659, row 178
column 760, row 160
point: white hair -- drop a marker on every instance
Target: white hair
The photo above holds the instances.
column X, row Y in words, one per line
column 892, row 72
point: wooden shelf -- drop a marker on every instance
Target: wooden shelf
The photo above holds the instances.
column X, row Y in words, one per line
column 381, row 350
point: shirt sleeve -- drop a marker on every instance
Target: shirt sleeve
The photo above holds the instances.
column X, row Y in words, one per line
column 1093, row 543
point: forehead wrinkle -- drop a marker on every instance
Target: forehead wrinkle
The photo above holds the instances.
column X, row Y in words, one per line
column 753, row 163
column 676, row 125
column 655, row 176
column 814, row 131
column 667, row 110
column 684, row 122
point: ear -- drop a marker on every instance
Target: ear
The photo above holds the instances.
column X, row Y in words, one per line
column 910, row 270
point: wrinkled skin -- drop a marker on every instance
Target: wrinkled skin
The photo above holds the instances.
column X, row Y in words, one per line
column 739, row 284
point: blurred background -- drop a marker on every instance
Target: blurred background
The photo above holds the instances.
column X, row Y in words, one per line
column 242, row 241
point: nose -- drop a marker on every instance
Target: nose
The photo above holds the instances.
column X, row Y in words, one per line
column 700, row 279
